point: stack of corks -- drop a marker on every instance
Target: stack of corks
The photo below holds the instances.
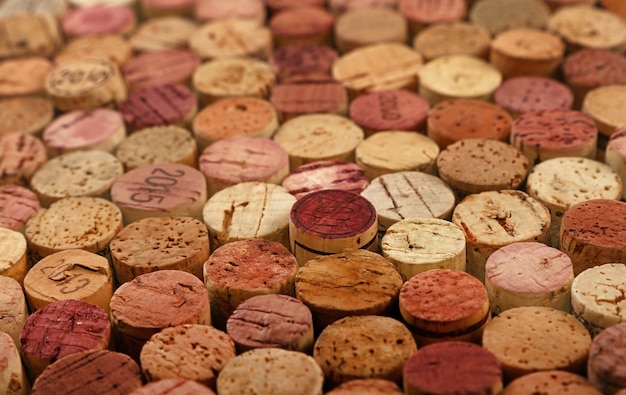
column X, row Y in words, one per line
column 312, row 196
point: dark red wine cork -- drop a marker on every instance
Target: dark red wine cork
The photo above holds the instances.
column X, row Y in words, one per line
column 214, row 10
column 156, row 105
column 450, row 368
column 384, row 110
column 309, row 95
column 542, row 135
column 303, row 59
column 151, row 244
column 60, row 329
column 273, row 320
column 305, row 24
column 98, row 19
column 173, row 386
column 606, row 367
column 593, row 232
column 167, row 66
column 153, row 301
column 427, row 12
column 519, row 95
column 454, row 120
column 20, row 156
column 367, row 387
column 242, row 269
column 90, row 372
column 322, row 175
column 17, row 205
column 328, row 221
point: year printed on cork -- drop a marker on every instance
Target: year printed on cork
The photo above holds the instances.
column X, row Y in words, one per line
column 75, row 78
column 157, row 186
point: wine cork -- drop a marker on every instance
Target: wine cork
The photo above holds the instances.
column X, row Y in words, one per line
column 498, row 16
column 588, row 27
column 366, row 26
column 70, row 274
column 109, row 47
column 528, row 274
column 20, row 156
column 378, row 67
column 100, row 129
column 551, row 382
column 542, row 135
column 51, row 7
column 273, row 320
column 615, row 6
column 302, row 59
column 603, row 105
column 556, row 4
column 167, row 66
column 192, row 352
column 322, row 175
column 154, row 301
column 591, row 237
column 560, row 183
column 587, row 69
column 93, row 371
column 458, row 77
column 329, row 221
column 13, row 309
column 214, row 10
column 292, row 372
column 243, row 159
column 242, row 269
column 519, row 95
column 338, row 7
column 24, row 76
column 13, row 379
column 393, row 151
column 442, row 305
column 28, row 115
column 85, row 84
column 367, row 386
column 615, row 156
column 158, row 144
column 60, row 329
column 493, row 219
column 30, row 34
column 231, row 38
column 233, row 77
column 309, row 95
column 605, row 367
column 416, row 245
column 525, row 51
column 89, row 223
column 160, row 8
column 479, row 165
column 452, row 367
column 74, row 174
column 315, row 137
column 159, row 105
column 88, row 3
column 454, row 120
column 161, row 243
column 421, row 13
column 98, row 19
column 248, row 210
column 17, row 205
column 232, row 117
column 173, row 386
column 350, row 283
column 276, row 6
column 157, row 34
column 13, row 258
column 363, row 347
column 305, row 24
column 160, row 190
column 533, row 330
column 396, row 109
column 453, row 38
column 409, row 194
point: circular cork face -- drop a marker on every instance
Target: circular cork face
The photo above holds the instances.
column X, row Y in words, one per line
column 213, row 10
column 13, row 262
column 168, row 32
column 523, row 94
column 27, row 114
column 167, row 66
column 586, row 222
column 454, row 120
column 173, row 386
column 14, row 310
column 31, row 35
column 551, row 382
column 309, row 95
column 231, row 38
column 322, row 175
column 110, row 47
column 301, row 24
column 367, row 386
column 24, row 76
column 454, row 38
column 501, row 15
column 302, row 59
column 333, row 214
column 13, row 7
column 17, row 205
column 369, row 26
column 453, row 367
column 535, row 330
column 20, row 156
column 591, row 68
column 155, row 243
column 604, row 105
column 98, row 19
column 428, row 12
column 607, row 361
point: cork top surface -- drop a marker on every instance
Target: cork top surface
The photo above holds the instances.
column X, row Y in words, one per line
column 17, row 205
column 553, row 129
column 553, row 382
column 592, row 68
column 82, row 128
column 20, row 156
column 527, row 43
column 607, row 356
column 395, row 109
column 533, row 93
column 585, row 221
